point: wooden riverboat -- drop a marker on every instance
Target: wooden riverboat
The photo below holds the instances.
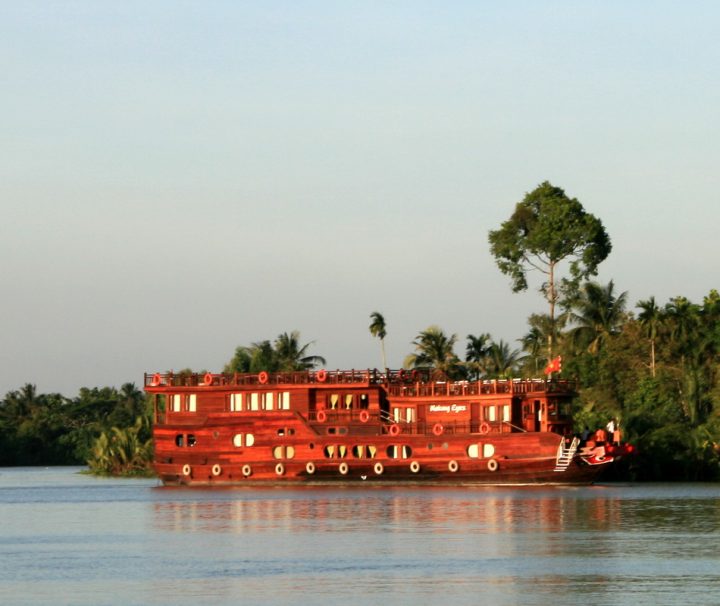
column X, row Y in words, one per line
column 369, row 425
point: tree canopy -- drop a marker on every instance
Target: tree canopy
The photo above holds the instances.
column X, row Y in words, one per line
column 546, row 228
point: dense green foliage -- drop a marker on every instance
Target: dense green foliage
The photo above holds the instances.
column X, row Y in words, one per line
column 106, row 428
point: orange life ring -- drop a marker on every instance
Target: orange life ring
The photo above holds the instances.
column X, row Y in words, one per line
column 321, row 375
column 156, row 380
column 321, row 416
column 364, row 416
column 438, row 429
column 208, row 378
column 263, row 377
column 394, row 429
column 484, row 427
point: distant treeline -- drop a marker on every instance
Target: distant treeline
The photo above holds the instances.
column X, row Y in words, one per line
column 106, row 428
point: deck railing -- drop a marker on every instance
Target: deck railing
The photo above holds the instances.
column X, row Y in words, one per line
column 397, row 383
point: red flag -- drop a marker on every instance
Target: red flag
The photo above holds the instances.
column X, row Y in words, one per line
column 554, row 365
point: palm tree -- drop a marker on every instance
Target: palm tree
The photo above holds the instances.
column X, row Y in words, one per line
column 377, row 329
column 476, row 354
column 650, row 319
column 435, row 349
column 599, row 315
column 534, row 343
column 503, row 360
column 291, row 356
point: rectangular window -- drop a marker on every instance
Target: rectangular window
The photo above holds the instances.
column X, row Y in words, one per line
column 176, row 403
column 396, row 414
column 269, row 402
column 254, row 401
column 236, row 400
column 348, row 401
column 284, row 400
column 506, row 413
column 192, row 402
column 491, row 414
column 410, row 415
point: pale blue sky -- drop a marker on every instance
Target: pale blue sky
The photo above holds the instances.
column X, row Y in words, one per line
column 179, row 178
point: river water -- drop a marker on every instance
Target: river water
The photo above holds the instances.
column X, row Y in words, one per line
column 67, row 538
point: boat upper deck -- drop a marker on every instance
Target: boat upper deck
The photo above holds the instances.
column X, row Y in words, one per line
column 397, row 383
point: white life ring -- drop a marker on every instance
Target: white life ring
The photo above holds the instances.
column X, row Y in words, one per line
column 279, row 469
column 247, row 470
column 414, row 466
column 187, row 470
column 216, row 470
column 378, row 468
column 492, row 465
column 310, row 467
column 453, row 466
column 343, row 468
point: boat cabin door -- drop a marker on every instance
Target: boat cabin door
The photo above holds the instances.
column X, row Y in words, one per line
column 532, row 415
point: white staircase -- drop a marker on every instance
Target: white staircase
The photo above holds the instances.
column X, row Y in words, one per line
column 565, row 455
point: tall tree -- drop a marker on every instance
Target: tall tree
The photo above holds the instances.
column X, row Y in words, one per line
column 378, row 329
column 545, row 229
column 476, row 354
column 650, row 319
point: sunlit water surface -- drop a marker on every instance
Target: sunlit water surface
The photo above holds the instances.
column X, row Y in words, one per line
column 67, row 538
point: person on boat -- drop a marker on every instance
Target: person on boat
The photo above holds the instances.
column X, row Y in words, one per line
column 585, row 434
column 610, row 428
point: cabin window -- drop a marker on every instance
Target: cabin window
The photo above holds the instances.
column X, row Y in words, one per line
column 349, row 401
column 358, row 451
column 243, row 439
column 490, row 413
column 191, row 441
column 364, row 400
column 488, row 451
column 399, row 452
column 372, row 451
column 333, row 400
column 284, row 400
column 179, row 440
column 506, row 413
column 284, row 452
column 254, row 401
column 192, row 402
column 397, row 412
column 176, row 402
column 410, row 415
column 333, row 452
column 236, row 402
column 268, row 401
column 473, row 451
